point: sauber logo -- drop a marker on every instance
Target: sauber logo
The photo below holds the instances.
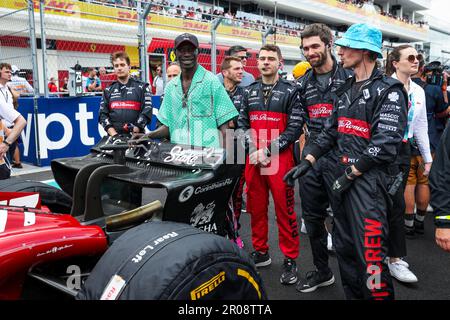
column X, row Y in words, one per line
column 208, row 286
column 321, row 110
column 354, row 127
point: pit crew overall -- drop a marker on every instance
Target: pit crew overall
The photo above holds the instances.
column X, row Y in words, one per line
column 365, row 131
column 276, row 124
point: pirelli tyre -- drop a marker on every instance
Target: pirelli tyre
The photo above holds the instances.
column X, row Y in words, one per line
column 173, row 261
column 55, row 199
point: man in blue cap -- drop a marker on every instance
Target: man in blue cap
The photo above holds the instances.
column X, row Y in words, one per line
column 365, row 131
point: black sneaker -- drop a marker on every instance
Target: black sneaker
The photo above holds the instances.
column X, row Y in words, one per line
column 419, row 226
column 289, row 275
column 314, row 279
column 261, row 259
column 410, row 232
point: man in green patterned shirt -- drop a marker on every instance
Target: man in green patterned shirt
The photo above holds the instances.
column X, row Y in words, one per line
column 196, row 108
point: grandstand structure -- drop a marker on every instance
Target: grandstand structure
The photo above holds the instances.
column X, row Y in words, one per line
column 87, row 32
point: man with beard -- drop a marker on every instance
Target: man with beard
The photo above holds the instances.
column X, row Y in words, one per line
column 196, row 106
column 271, row 119
column 126, row 105
column 365, row 132
column 317, row 89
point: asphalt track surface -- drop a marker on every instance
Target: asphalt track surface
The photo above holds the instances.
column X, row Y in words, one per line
column 430, row 264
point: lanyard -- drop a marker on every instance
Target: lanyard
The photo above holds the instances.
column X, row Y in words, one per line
column 3, row 94
column 411, row 106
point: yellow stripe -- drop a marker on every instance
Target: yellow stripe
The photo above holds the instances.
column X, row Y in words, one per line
column 247, row 275
column 207, row 284
column 443, row 217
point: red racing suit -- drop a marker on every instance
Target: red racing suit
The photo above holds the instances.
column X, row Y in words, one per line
column 126, row 103
column 274, row 125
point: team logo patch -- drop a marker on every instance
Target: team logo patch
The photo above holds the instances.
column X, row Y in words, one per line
column 393, row 97
column 366, row 94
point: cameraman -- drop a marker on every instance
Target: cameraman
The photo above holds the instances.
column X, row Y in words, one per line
column 435, row 102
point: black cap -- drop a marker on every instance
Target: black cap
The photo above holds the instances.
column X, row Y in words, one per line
column 186, row 37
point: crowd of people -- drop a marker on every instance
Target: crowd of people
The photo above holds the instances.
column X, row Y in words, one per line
column 168, row 8
column 404, row 18
column 370, row 137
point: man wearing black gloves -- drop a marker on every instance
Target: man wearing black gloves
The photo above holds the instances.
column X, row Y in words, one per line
column 126, row 105
column 366, row 130
column 440, row 190
column 316, row 90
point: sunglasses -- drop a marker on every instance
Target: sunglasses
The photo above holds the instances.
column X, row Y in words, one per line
column 412, row 58
column 242, row 57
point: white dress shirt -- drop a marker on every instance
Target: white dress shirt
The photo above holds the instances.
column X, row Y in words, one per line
column 418, row 127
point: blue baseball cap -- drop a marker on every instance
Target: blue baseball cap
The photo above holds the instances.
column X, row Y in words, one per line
column 362, row 36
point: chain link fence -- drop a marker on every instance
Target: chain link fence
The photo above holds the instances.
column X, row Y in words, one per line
column 85, row 33
column 16, row 44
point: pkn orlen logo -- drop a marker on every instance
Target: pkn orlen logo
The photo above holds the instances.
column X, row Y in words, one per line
column 208, row 286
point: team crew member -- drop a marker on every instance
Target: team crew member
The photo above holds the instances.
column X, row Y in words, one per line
column 126, row 105
column 366, row 131
column 271, row 109
column 196, row 109
column 440, row 191
column 316, row 90
column 10, row 115
column 232, row 71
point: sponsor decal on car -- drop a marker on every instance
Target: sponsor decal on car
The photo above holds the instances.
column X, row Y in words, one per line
column 208, row 286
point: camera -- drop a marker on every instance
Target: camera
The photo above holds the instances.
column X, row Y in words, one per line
column 437, row 73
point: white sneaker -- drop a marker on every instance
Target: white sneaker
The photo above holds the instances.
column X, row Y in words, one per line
column 303, row 227
column 329, row 242
column 399, row 270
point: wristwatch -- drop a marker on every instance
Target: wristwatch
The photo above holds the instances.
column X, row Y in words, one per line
column 349, row 173
column 7, row 143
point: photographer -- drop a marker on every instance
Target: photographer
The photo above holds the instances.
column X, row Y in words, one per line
column 440, row 191
column 435, row 102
